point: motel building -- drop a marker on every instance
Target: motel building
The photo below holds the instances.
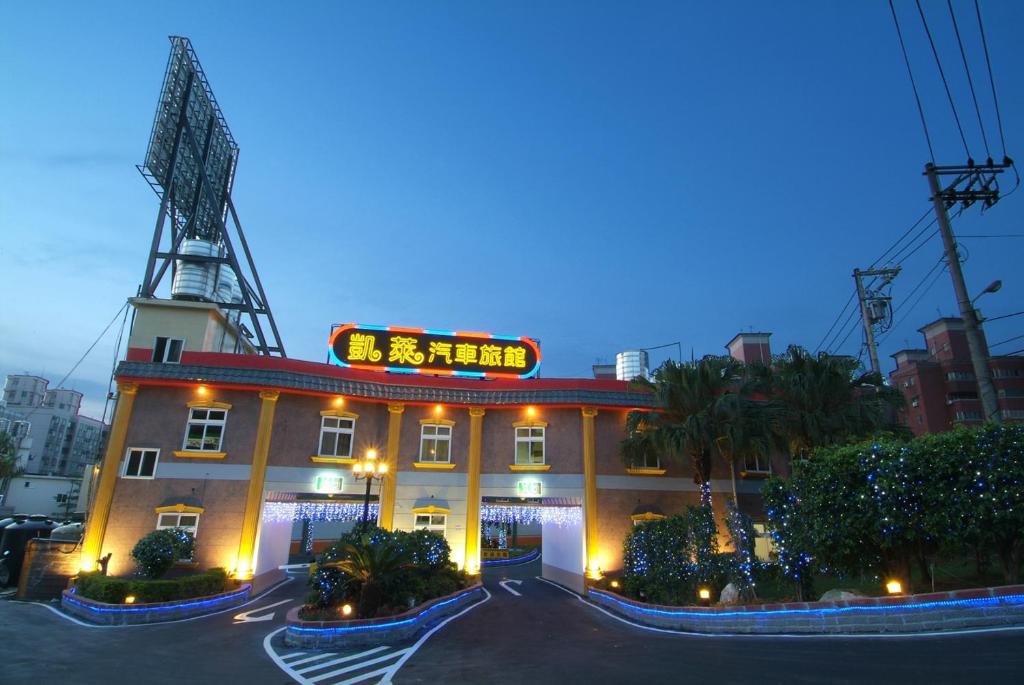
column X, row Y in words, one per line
column 238, row 447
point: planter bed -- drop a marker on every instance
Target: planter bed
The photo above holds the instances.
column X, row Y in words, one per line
column 375, row 631
column 983, row 607
column 137, row 614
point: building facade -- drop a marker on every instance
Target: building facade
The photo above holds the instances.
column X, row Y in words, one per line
column 940, row 386
column 228, row 444
column 58, row 440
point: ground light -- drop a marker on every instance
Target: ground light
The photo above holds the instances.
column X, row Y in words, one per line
column 130, row 599
column 346, row 610
column 894, row 587
column 704, row 594
column 614, row 584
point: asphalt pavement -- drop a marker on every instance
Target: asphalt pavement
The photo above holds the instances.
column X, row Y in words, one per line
column 536, row 633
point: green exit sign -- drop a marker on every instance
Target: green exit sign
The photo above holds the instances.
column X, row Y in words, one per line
column 528, row 488
column 328, row 484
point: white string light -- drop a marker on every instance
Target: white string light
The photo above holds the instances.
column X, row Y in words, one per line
column 525, row 515
column 276, row 512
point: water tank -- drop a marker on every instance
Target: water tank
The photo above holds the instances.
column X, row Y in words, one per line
column 195, row 280
column 630, row 364
column 13, row 541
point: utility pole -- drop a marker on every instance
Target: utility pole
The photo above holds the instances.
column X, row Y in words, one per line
column 981, row 185
column 873, row 308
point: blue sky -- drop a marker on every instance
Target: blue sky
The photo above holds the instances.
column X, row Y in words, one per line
column 596, row 175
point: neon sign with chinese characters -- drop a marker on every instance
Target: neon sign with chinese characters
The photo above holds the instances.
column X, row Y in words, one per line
column 424, row 350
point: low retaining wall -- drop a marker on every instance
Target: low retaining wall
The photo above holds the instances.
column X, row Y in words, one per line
column 532, row 555
column 375, row 631
column 48, row 566
column 985, row 607
column 157, row 612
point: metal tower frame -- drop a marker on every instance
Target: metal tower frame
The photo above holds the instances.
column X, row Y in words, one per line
column 180, row 162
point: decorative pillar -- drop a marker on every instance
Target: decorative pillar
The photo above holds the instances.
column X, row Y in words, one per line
column 246, row 563
column 590, row 493
column 471, row 563
column 96, row 525
column 389, row 486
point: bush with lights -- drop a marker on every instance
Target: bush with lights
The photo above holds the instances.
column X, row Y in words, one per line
column 158, row 551
column 884, row 506
column 665, row 561
column 381, row 572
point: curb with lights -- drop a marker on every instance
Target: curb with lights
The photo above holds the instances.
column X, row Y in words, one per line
column 897, row 613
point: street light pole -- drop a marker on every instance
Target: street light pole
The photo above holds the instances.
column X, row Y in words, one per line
column 371, row 470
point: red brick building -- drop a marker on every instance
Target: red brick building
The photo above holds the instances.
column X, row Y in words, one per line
column 940, row 385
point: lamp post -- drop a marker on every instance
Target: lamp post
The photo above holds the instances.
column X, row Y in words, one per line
column 371, row 470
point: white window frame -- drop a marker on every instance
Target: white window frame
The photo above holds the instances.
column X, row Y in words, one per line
column 194, row 528
column 650, row 460
column 143, row 451
column 436, row 438
column 168, row 355
column 431, row 523
column 758, row 459
column 206, row 423
column 336, row 431
column 524, row 435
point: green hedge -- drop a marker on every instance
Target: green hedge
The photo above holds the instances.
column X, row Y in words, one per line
column 113, row 590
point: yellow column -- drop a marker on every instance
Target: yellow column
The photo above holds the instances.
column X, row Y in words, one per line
column 590, row 493
column 471, row 564
column 96, row 526
column 246, row 563
column 389, row 486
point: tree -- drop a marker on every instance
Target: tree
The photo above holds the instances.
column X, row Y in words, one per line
column 823, row 402
column 8, row 457
column 691, row 418
column 371, row 564
column 158, row 551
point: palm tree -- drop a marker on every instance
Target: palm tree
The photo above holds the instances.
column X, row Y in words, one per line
column 691, row 416
column 744, row 427
column 824, row 402
column 371, row 565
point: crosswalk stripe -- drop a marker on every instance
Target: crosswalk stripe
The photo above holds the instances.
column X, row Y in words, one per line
column 354, row 667
column 341, row 660
column 315, row 657
column 364, row 676
column 292, row 655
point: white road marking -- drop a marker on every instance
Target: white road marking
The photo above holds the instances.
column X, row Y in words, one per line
column 503, row 584
column 357, row 666
column 364, row 676
column 681, row 633
column 278, row 660
column 293, row 655
column 247, row 616
column 332, row 662
column 161, row 623
column 419, row 643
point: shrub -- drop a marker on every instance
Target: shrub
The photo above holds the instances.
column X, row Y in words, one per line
column 113, row 590
column 157, row 552
column 345, row 573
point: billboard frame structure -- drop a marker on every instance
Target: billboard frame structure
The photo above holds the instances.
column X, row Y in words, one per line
column 190, row 165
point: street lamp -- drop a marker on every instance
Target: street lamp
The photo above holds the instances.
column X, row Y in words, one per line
column 371, row 470
column 992, row 287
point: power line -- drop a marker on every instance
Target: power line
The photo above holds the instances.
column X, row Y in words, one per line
column 833, row 346
column 942, row 74
column 919, row 297
column 1003, row 342
column 1004, row 316
column 970, row 81
column 832, row 327
column 913, row 83
column 993, row 235
column 992, row 81
column 905, row 234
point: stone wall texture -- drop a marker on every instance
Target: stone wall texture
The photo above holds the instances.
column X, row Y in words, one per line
column 376, row 631
column 47, row 568
column 136, row 614
column 938, row 611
